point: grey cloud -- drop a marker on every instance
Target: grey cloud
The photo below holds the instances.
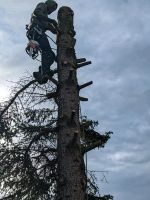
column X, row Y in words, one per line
column 115, row 36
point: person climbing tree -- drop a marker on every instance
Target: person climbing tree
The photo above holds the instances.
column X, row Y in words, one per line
column 38, row 40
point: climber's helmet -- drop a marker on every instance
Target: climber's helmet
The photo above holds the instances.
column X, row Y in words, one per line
column 51, row 6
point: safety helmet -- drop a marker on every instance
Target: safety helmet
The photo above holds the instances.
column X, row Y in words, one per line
column 51, row 3
column 51, row 6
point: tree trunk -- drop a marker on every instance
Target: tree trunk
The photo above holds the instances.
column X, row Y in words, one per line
column 71, row 169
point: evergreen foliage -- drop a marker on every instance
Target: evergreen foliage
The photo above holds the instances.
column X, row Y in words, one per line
column 28, row 147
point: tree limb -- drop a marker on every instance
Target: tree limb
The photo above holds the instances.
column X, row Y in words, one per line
column 40, row 129
column 15, row 96
column 92, row 146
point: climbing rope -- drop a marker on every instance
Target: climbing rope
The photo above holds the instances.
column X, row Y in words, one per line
column 86, row 163
column 51, row 39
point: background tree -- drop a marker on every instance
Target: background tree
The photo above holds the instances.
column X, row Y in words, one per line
column 30, row 133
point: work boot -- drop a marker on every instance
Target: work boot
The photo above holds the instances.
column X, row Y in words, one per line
column 46, row 76
column 37, row 75
column 48, row 73
column 44, row 79
column 40, row 79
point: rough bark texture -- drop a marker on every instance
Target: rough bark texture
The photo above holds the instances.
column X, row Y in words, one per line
column 71, row 170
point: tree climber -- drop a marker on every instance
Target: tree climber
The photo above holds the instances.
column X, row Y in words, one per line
column 38, row 40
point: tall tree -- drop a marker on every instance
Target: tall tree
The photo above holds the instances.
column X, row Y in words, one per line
column 43, row 138
column 71, row 170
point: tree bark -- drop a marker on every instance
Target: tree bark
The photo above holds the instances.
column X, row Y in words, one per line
column 71, row 168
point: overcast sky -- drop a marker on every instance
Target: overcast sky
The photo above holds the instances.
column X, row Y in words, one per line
column 115, row 35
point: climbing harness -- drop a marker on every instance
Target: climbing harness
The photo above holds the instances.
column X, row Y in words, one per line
column 33, row 48
column 33, row 30
column 34, row 33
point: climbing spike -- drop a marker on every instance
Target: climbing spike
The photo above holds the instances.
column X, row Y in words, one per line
column 83, row 64
column 83, row 99
column 85, row 85
column 80, row 60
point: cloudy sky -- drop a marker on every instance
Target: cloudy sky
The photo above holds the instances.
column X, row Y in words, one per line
column 115, row 35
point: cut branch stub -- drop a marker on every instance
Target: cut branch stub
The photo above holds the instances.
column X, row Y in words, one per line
column 85, row 85
column 83, row 64
column 80, row 60
column 83, row 99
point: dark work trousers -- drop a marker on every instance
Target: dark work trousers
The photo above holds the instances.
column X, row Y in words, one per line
column 47, row 55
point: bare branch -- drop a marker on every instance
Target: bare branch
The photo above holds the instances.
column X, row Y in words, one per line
column 15, row 96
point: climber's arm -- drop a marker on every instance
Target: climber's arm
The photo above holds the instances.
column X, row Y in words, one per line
column 40, row 11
